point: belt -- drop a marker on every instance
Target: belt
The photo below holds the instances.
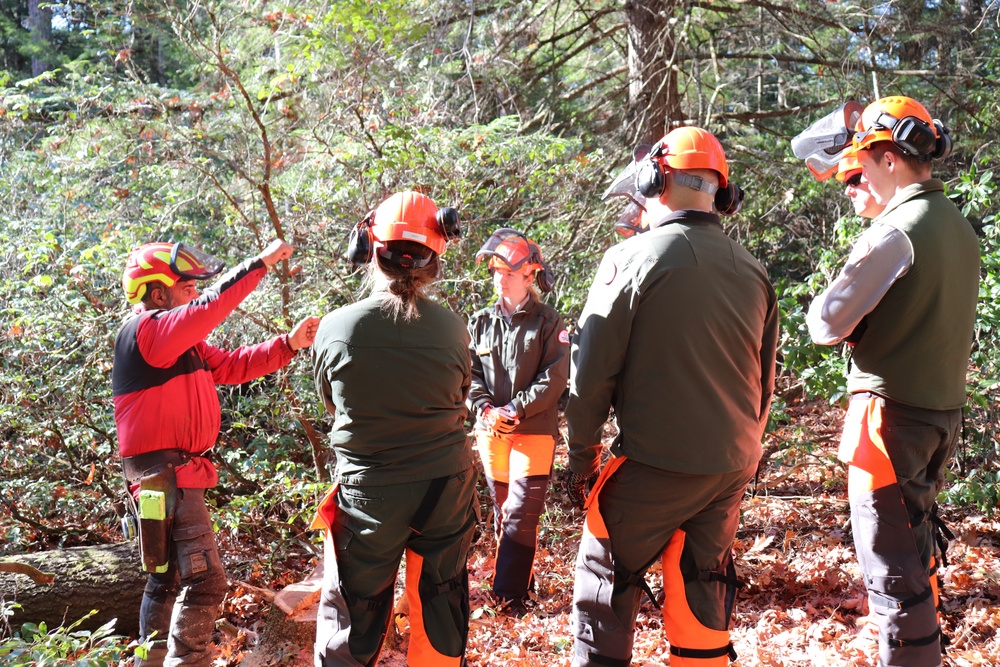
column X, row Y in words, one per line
column 136, row 467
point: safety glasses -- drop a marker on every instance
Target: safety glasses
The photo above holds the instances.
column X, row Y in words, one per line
column 854, row 180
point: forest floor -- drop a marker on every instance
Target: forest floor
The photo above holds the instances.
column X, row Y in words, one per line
column 804, row 603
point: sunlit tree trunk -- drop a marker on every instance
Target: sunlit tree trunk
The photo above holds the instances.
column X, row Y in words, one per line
column 654, row 101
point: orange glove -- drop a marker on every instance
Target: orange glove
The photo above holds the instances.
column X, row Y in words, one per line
column 500, row 420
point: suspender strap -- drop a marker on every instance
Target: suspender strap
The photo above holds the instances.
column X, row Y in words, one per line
column 428, row 504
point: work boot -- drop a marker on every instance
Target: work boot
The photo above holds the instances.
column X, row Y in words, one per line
column 155, row 656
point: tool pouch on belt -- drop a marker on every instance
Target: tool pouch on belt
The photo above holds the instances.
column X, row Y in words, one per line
column 157, row 493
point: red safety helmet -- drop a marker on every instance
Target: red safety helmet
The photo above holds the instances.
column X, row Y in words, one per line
column 166, row 263
column 516, row 252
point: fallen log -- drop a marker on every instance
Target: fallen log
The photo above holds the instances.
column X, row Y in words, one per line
column 106, row 578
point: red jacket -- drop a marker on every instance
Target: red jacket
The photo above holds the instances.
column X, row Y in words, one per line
column 165, row 374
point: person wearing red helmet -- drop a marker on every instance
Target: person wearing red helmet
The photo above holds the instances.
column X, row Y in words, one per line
column 906, row 297
column 393, row 370
column 679, row 335
column 167, row 417
column 520, row 366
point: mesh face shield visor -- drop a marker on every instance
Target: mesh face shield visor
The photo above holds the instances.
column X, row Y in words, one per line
column 827, row 140
column 190, row 263
column 631, row 221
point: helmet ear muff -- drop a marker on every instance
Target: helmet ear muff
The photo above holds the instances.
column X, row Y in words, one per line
column 729, row 200
column 915, row 137
column 649, row 179
column 451, row 227
column 544, row 279
column 361, row 243
column 943, row 145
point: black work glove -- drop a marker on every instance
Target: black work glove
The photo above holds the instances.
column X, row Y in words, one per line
column 579, row 486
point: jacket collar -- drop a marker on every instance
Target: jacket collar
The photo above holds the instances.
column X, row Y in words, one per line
column 689, row 216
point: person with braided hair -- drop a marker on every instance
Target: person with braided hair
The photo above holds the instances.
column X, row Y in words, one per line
column 393, row 370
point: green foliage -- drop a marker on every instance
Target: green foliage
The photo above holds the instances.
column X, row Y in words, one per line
column 38, row 646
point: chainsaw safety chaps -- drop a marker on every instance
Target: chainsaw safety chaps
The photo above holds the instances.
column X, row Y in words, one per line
column 693, row 644
column 899, row 586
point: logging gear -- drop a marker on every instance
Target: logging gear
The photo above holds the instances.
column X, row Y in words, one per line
column 578, row 488
column 848, row 168
column 498, row 420
column 896, row 456
column 682, row 149
column 515, row 251
column 166, row 263
column 155, row 509
column 167, row 415
column 827, row 140
column 907, row 124
column 405, row 482
column 632, row 220
column 688, row 148
column 181, row 604
column 369, row 529
column 405, row 216
column 692, row 644
column 632, row 515
column 517, row 469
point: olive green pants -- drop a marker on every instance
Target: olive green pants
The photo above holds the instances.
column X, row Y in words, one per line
column 372, row 528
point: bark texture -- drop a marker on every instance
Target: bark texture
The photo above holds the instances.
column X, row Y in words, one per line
column 107, row 578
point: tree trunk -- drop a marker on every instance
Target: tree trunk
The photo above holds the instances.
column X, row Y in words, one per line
column 107, row 578
column 654, row 101
column 40, row 24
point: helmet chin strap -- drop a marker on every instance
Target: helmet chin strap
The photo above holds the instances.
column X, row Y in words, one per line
column 694, row 182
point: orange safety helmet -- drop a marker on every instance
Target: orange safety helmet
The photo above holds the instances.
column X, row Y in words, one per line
column 166, row 263
column 409, row 216
column 405, row 216
column 847, row 167
column 907, row 124
column 518, row 253
column 682, row 149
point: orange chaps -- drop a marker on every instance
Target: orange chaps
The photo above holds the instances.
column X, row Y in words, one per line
column 901, row 577
column 518, row 468
column 605, row 594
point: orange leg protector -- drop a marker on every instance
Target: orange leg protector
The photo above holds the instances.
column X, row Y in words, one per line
column 900, row 588
column 692, row 644
column 439, row 616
